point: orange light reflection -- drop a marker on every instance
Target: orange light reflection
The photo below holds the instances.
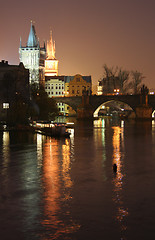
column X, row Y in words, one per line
column 57, row 184
column 118, row 141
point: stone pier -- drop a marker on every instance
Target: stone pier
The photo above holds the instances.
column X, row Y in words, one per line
column 144, row 111
column 84, row 110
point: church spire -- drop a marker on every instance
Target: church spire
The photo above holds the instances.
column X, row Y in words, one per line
column 50, row 48
column 32, row 39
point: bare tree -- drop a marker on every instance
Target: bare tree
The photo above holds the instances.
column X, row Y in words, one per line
column 123, row 76
column 135, row 84
column 109, row 78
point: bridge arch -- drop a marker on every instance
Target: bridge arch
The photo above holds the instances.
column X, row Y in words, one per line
column 115, row 103
column 153, row 113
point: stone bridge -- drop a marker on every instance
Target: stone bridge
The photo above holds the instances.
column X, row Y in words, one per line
column 95, row 101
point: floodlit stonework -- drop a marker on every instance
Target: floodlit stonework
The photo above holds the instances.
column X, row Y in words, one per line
column 33, row 57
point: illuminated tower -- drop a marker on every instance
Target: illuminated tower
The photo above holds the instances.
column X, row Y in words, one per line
column 51, row 63
column 33, row 57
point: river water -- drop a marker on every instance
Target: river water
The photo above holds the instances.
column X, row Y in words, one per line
column 66, row 188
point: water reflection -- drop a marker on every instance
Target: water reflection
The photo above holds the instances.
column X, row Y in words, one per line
column 118, row 143
column 51, row 181
column 57, row 189
column 66, row 165
column 6, row 141
column 39, row 149
column 100, row 141
column 5, row 154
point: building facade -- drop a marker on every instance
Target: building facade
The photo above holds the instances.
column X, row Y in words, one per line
column 75, row 85
column 54, row 86
column 33, row 57
column 14, row 82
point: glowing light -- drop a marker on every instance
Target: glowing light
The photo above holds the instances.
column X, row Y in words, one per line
column 5, row 105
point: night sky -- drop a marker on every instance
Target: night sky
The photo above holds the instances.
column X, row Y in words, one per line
column 88, row 33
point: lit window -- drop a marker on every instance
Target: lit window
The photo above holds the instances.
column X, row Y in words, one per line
column 5, row 105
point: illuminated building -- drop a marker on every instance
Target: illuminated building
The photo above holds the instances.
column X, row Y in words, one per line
column 33, row 57
column 74, row 85
column 54, row 86
column 51, row 63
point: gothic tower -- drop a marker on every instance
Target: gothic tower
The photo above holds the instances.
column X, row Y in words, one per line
column 33, row 57
column 51, row 63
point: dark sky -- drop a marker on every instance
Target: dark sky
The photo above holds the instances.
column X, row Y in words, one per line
column 88, row 33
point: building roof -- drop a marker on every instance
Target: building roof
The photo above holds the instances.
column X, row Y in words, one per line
column 70, row 78
column 32, row 39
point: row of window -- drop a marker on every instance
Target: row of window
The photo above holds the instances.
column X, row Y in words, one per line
column 61, row 109
column 60, row 104
column 73, row 91
column 54, row 88
column 55, row 93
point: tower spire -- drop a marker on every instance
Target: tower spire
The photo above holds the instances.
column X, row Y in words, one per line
column 32, row 39
column 50, row 48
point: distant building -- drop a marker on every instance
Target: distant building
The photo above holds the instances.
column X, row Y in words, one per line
column 74, row 85
column 54, row 86
column 60, row 86
column 14, row 81
column 33, row 57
